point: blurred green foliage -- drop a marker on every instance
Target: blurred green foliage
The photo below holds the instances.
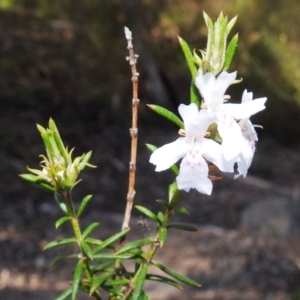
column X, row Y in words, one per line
column 79, row 48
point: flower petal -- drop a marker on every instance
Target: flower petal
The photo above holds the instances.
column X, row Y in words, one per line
column 193, row 175
column 195, row 122
column 213, row 89
column 167, row 155
column 213, row 152
column 246, row 157
column 246, row 109
column 231, row 135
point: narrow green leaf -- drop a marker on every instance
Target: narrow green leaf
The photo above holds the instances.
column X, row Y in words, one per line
column 88, row 251
column 175, row 274
column 57, row 259
column 144, row 296
column 138, row 281
column 134, row 245
column 83, row 204
column 162, row 236
column 163, row 202
column 98, row 280
column 183, row 227
column 60, row 243
column 60, row 201
column 64, row 294
column 62, row 220
column 230, row 52
column 77, row 278
column 93, row 241
column 148, row 213
column 102, row 266
column 194, row 95
column 174, row 194
column 182, row 211
column 167, row 114
column 89, row 229
column 112, row 256
column 110, row 240
column 188, row 57
column 117, row 282
column 163, row 279
column 151, row 148
column 161, row 217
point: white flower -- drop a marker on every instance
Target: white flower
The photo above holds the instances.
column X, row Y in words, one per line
column 212, row 90
column 250, row 138
column 195, row 149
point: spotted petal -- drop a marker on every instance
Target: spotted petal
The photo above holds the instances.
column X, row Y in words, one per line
column 194, row 175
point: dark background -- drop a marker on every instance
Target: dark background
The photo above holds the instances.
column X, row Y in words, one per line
column 66, row 60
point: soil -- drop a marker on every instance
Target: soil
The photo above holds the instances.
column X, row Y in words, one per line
column 231, row 258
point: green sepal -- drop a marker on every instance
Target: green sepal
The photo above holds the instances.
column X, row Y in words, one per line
column 181, row 211
column 89, row 229
column 148, row 213
column 230, row 25
column 230, row 52
column 59, row 142
column 174, row 194
column 106, row 243
column 64, row 294
column 167, row 114
column 62, row 220
column 77, row 278
column 163, row 279
column 175, row 275
column 188, row 57
column 97, row 281
column 54, row 244
column 83, row 204
column 162, row 236
column 46, row 140
column 183, row 227
column 194, row 94
column 134, row 245
column 138, row 281
column 33, row 179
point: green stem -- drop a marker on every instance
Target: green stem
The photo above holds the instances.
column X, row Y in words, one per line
column 154, row 246
column 77, row 231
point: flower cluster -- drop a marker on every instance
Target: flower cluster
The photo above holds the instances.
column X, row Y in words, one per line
column 59, row 171
column 198, row 149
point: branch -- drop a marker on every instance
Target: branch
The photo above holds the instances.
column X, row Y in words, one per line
column 132, row 58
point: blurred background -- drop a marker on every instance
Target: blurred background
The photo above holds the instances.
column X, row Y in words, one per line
column 66, row 60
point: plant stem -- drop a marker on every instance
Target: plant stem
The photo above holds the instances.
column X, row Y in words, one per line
column 132, row 58
column 77, row 231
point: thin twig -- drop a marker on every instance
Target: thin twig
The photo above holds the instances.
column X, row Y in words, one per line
column 132, row 58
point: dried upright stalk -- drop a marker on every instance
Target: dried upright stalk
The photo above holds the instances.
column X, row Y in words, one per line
column 132, row 58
